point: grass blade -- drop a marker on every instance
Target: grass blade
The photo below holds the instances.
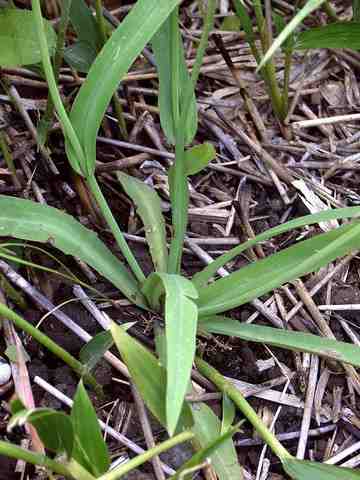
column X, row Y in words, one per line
column 116, row 57
column 305, row 257
column 90, row 449
column 149, row 209
column 308, row 8
column 161, row 44
column 27, row 220
column 202, row 277
column 180, row 333
column 207, row 430
column 305, row 470
column 296, row 341
column 334, row 35
column 147, row 374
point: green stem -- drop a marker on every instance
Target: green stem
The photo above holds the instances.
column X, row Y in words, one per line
column 179, row 187
column 269, row 69
column 287, row 71
column 52, row 84
column 13, row 451
column 53, row 347
column 175, row 66
column 232, row 392
column 114, row 227
column 146, row 456
column 103, row 35
column 45, row 122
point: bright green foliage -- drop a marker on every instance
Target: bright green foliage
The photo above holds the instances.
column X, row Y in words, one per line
column 89, row 447
column 309, row 7
column 228, row 413
column 117, row 55
column 296, row 341
column 18, row 38
column 180, row 334
column 200, row 279
column 197, row 158
column 207, row 430
column 162, row 43
column 148, row 375
column 334, row 35
column 149, row 209
column 54, row 428
column 208, row 452
column 304, row 257
column 40, row 223
column 304, row 470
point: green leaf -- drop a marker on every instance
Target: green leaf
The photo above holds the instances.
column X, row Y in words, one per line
column 162, row 48
column 201, row 278
column 308, row 8
column 80, row 56
column 229, row 412
column 245, row 21
column 207, row 430
column 54, row 428
column 181, row 323
column 116, row 57
column 147, row 374
column 297, row 341
column 305, row 257
column 204, row 454
column 92, row 352
column 149, row 209
column 334, row 35
column 280, row 24
column 305, row 470
column 197, row 158
column 28, row 220
column 18, row 38
column 85, row 24
column 90, row 449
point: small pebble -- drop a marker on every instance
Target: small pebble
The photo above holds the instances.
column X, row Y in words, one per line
column 5, row 371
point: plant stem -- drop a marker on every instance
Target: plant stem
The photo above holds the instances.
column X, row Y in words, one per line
column 63, row 116
column 146, row 456
column 287, row 71
column 13, row 451
column 114, row 227
column 8, row 157
column 217, row 379
column 45, row 122
column 103, row 35
column 53, row 347
column 179, row 187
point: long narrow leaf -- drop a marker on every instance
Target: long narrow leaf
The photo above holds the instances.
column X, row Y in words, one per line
column 181, row 324
column 297, row 341
column 161, row 44
column 119, row 52
column 148, row 375
column 149, row 208
column 207, row 429
column 202, row 277
column 305, row 470
column 264, row 275
column 334, row 35
column 28, row 220
column 308, row 8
